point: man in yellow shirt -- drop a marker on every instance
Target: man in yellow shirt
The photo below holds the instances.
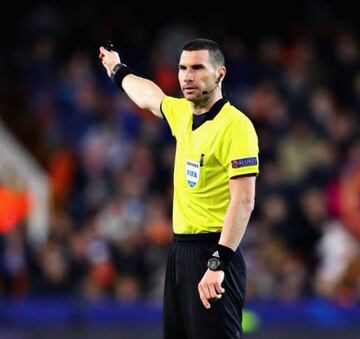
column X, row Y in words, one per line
column 216, row 165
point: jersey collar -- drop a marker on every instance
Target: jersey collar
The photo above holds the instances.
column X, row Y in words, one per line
column 198, row 120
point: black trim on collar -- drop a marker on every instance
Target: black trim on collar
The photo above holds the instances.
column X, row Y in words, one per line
column 198, row 120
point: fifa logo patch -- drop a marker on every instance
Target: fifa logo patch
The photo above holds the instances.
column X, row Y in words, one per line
column 245, row 162
column 192, row 172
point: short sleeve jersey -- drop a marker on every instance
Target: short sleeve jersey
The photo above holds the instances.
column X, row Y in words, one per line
column 206, row 159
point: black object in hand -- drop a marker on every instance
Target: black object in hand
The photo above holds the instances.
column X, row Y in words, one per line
column 213, row 300
column 109, row 45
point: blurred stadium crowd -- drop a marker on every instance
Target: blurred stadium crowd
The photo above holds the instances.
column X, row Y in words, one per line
column 110, row 163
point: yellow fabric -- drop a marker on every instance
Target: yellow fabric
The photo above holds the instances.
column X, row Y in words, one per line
column 205, row 160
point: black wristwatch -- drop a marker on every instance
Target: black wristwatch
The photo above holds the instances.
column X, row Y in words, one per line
column 215, row 264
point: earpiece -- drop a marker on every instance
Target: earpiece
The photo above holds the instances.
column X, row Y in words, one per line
column 216, row 85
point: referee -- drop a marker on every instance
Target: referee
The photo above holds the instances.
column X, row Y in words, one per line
column 216, row 165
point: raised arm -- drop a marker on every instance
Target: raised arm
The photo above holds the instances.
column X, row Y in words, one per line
column 143, row 92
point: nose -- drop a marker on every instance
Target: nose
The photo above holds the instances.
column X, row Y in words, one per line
column 188, row 76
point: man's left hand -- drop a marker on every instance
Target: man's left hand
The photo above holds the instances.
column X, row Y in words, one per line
column 210, row 287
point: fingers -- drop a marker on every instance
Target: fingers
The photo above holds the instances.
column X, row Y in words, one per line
column 109, row 59
column 204, row 295
column 219, row 289
column 205, row 302
column 209, row 293
column 102, row 52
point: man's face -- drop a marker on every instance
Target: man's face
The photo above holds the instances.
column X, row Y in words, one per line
column 196, row 74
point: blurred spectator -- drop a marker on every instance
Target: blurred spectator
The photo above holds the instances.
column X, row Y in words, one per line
column 337, row 277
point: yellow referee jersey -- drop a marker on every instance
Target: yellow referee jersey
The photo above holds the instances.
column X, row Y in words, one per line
column 206, row 158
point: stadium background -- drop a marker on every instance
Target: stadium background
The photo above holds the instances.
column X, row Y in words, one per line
column 86, row 177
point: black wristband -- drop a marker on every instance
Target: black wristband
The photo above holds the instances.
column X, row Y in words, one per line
column 224, row 254
column 119, row 72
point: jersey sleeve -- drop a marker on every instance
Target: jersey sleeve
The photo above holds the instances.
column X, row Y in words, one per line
column 239, row 151
column 173, row 111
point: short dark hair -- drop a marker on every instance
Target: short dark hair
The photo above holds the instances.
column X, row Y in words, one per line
column 215, row 52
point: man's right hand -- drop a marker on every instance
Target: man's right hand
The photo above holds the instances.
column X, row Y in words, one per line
column 143, row 92
column 109, row 59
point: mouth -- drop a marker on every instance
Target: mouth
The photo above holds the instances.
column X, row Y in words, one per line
column 189, row 90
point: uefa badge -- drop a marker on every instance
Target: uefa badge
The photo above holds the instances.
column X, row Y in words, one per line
column 192, row 172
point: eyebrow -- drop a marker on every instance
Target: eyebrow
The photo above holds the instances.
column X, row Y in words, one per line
column 194, row 66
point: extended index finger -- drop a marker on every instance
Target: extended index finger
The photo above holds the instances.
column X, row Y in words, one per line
column 203, row 297
column 103, row 49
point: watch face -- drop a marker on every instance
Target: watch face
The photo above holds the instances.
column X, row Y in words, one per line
column 213, row 264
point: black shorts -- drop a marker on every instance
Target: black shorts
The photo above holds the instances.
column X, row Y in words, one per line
column 185, row 317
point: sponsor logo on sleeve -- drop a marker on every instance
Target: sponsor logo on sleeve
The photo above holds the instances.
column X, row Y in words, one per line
column 244, row 162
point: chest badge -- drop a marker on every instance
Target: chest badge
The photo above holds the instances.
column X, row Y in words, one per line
column 192, row 172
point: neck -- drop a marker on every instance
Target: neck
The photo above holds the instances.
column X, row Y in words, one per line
column 204, row 105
